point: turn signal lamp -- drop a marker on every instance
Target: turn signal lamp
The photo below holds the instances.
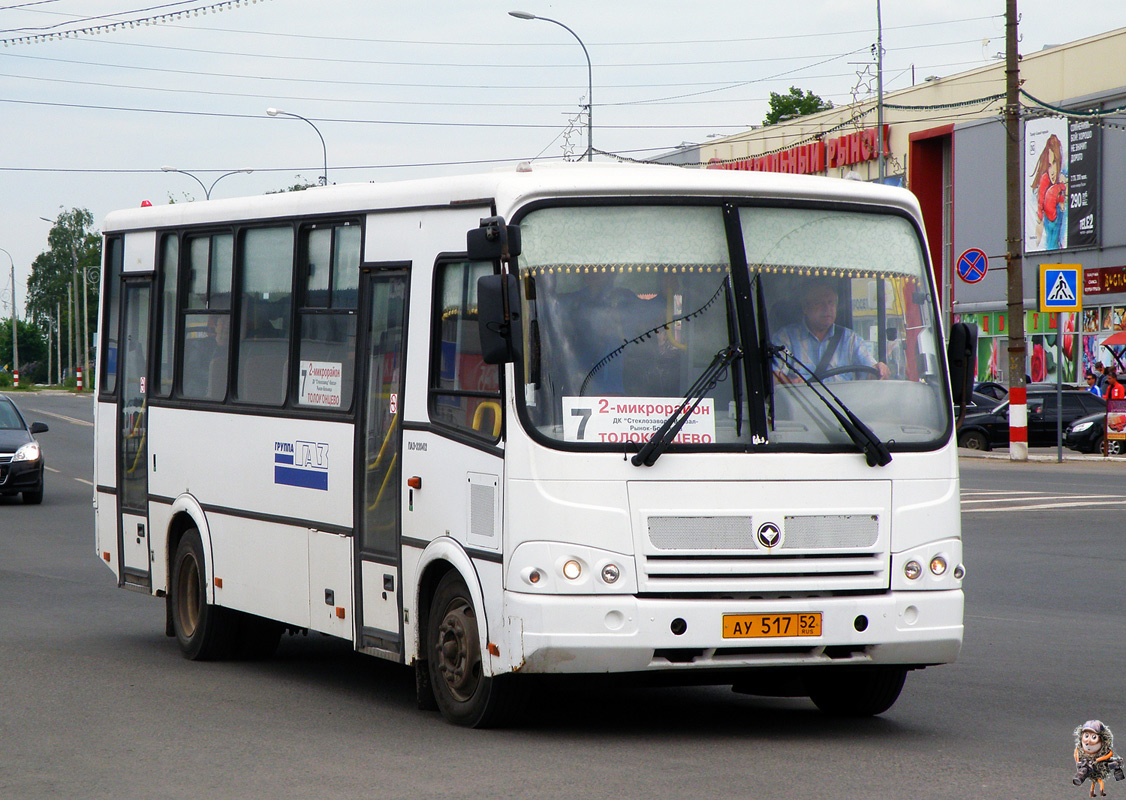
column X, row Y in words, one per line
column 572, row 570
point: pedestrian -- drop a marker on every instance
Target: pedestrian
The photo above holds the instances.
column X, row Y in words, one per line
column 1093, row 385
column 1101, row 377
column 1114, row 389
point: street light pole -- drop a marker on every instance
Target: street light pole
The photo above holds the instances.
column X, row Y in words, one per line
column 273, row 112
column 206, row 189
column 589, row 78
column 15, row 332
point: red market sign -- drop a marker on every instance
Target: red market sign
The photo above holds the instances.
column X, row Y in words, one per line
column 1104, row 280
column 807, row 159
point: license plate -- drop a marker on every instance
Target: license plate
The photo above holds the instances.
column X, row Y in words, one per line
column 762, row 626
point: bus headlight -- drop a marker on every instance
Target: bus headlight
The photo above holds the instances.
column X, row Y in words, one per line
column 561, row 568
column 29, row 452
column 935, row 566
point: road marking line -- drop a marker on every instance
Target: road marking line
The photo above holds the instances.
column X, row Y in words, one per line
column 66, row 418
column 83, row 480
column 52, row 469
column 997, row 492
column 1055, row 497
column 1045, row 506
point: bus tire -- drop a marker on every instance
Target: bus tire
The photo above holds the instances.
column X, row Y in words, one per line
column 464, row 695
column 855, row 691
column 203, row 631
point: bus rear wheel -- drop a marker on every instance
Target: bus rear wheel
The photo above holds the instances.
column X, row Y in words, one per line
column 855, row 691
column 203, row 631
column 464, row 694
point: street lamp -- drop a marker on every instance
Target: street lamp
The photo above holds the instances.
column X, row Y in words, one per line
column 273, row 112
column 589, row 75
column 15, row 334
column 206, row 189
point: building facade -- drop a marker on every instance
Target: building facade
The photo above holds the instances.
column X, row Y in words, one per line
column 944, row 139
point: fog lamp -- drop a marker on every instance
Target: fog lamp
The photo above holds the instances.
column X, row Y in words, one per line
column 912, row 569
column 938, row 565
column 611, row 573
column 572, row 570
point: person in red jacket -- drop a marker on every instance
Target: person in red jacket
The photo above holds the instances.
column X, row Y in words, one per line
column 1050, row 185
column 1114, row 389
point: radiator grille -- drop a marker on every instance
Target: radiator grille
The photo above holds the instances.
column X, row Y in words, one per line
column 819, row 553
column 702, row 533
column 844, row 531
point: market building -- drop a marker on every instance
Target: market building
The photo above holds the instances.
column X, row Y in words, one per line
column 944, row 139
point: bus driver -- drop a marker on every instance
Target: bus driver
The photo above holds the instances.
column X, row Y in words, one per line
column 822, row 345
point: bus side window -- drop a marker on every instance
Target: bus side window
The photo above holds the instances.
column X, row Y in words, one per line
column 464, row 390
column 328, row 280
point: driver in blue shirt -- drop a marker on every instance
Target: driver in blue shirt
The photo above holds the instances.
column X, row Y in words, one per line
column 822, row 345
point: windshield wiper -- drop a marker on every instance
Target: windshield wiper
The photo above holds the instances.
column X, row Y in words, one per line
column 875, row 451
column 666, row 434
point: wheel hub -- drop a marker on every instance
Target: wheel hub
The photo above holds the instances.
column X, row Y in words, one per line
column 459, row 652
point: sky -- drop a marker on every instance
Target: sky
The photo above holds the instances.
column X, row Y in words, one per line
column 403, row 90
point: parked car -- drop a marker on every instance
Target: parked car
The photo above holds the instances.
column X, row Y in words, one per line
column 988, row 429
column 21, row 459
column 993, row 389
column 979, row 402
column 1086, row 435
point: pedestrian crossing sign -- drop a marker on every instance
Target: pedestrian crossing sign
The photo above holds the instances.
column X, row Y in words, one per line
column 1060, row 287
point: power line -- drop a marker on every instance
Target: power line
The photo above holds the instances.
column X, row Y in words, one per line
column 217, row 114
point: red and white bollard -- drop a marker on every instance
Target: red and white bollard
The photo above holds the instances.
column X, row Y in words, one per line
column 79, row 374
column 16, row 378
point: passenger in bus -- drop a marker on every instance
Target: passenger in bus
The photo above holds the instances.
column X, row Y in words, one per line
column 822, row 345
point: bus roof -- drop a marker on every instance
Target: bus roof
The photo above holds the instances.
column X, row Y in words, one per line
column 510, row 188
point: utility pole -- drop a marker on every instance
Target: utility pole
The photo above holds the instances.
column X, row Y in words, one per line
column 1018, row 397
column 880, row 171
column 15, row 331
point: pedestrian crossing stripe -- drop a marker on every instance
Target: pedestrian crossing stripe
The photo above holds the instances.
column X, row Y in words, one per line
column 1059, row 288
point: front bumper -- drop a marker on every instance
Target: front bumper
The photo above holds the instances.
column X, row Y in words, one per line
column 21, row 476
column 596, row 634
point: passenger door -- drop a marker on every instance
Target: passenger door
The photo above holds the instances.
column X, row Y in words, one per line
column 378, row 483
column 132, row 435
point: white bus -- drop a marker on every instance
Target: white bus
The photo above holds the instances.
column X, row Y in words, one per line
column 539, row 421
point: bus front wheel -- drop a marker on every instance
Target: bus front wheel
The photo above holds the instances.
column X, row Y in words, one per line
column 855, row 691
column 203, row 631
column 464, row 694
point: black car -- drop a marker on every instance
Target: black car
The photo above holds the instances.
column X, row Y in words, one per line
column 21, row 460
column 1086, row 435
column 993, row 389
column 989, row 429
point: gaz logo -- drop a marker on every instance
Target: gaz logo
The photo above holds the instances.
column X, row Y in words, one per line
column 300, row 463
column 768, row 535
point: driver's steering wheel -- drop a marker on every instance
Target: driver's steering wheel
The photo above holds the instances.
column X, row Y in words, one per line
column 872, row 372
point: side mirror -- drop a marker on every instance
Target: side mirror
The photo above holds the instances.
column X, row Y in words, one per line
column 961, row 354
column 498, row 331
column 493, row 240
column 38, row 427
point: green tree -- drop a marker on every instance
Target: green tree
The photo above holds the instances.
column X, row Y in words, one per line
column 33, row 351
column 795, row 103
column 72, row 259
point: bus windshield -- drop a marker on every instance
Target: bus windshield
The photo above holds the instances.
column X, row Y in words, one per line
column 625, row 306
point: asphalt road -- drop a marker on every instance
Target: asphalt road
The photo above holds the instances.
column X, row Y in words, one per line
column 96, row 702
